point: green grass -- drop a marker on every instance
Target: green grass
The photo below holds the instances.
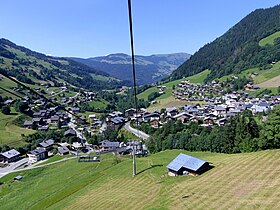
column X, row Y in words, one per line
column 168, row 91
column 254, row 93
column 127, row 135
column 270, row 39
column 55, row 158
column 11, row 133
column 103, row 78
column 100, row 104
column 238, row 181
column 263, row 75
column 199, row 78
column 7, row 84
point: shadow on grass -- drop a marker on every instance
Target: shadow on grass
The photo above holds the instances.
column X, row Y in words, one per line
column 152, row 166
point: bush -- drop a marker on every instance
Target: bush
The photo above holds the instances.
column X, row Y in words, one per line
column 6, row 109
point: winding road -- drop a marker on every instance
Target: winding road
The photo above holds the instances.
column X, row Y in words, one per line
column 136, row 132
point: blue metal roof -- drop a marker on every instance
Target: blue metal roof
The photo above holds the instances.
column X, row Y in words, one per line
column 186, row 161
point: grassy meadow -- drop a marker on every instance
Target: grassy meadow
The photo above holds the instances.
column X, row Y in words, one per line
column 237, row 181
column 264, row 78
column 270, row 39
column 10, row 133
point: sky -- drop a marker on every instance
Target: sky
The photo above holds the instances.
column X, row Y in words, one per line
column 90, row 28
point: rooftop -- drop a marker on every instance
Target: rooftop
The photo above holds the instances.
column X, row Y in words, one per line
column 186, row 161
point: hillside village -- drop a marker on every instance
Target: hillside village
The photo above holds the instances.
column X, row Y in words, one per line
column 207, row 105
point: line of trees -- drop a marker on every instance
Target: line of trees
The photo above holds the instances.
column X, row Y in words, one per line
column 242, row 134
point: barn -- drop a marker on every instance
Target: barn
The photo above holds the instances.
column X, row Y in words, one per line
column 187, row 165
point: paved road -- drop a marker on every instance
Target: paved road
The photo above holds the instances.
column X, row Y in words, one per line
column 11, row 168
column 136, row 132
column 72, row 125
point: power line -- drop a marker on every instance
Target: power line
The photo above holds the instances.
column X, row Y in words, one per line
column 134, row 78
column 35, row 92
column 12, row 93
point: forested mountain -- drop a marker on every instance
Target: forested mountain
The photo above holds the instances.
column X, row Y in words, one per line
column 241, row 47
column 32, row 67
column 150, row 69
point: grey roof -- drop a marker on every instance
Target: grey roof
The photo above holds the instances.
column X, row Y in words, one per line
column 264, row 104
column 153, row 114
column 185, row 161
column 171, row 109
column 55, row 117
column 220, row 108
column 70, row 131
column 62, row 150
column 107, row 143
column 18, row 177
column 117, row 120
column 47, row 143
column 38, row 151
column 11, row 153
column 27, row 123
column 8, row 101
column 36, row 119
column 45, row 127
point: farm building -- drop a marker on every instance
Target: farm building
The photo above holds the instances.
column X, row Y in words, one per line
column 186, row 164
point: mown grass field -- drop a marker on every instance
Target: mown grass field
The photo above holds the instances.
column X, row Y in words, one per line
column 167, row 102
column 10, row 133
column 239, row 181
column 270, row 39
column 264, row 76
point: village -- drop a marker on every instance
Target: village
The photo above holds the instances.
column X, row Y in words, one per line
column 207, row 105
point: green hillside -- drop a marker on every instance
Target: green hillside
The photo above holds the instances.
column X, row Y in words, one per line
column 258, row 75
column 35, row 68
column 198, row 78
column 246, row 45
column 239, row 181
column 270, row 40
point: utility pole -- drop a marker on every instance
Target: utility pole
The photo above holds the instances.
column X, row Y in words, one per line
column 134, row 79
column 134, row 158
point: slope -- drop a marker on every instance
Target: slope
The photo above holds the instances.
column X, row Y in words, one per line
column 249, row 180
column 35, row 68
column 238, row 48
column 150, row 69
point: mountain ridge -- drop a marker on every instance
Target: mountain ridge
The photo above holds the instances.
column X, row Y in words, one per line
column 149, row 69
column 32, row 67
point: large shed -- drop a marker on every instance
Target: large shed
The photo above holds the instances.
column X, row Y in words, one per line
column 186, row 164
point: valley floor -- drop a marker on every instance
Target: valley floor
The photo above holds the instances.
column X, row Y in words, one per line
column 250, row 180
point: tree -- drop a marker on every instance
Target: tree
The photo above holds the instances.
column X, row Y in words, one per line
column 270, row 133
column 20, row 106
column 6, row 110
